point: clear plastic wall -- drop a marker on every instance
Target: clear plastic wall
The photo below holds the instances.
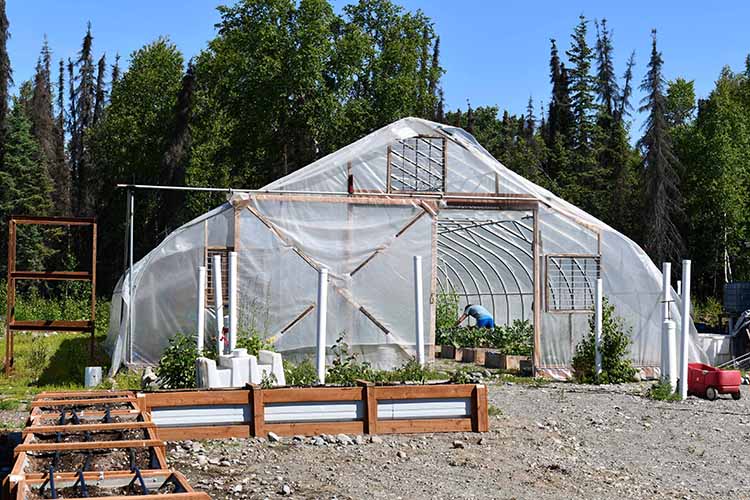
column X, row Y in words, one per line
column 310, row 221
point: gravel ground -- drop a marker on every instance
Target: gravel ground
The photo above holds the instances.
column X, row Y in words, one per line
column 549, row 441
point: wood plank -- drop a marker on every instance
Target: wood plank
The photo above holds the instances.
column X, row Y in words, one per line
column 311, row 394
column 52, row 275
column 86, row 401
column 371, row 409
column 90, row 445
column 256, row 402
column 314, row 428
column 428, row 391
column 40, row 477
column 51, row 325
column 88, row 413
column 204, row 432
column 424, row 425
column 47, row 429
column 479, row 410
column 53, row 221
column 196, row 398
column 81, row 394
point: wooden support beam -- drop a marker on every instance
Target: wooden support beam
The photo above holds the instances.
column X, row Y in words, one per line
column 205, row 432
column 314, row 428
column 119, row 426
column 255, row 398
column 51, row 325
column 52, row 275
column 479, row 410
column 413, row 426
column 83, row 402
column 311, row 394
column 53, row 221
column 371, row 407
column 90, row 445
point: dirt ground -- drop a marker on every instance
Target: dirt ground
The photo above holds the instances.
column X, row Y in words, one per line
column 549, row 441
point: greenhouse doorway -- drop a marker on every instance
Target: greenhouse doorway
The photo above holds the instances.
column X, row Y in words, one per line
column 486, row 256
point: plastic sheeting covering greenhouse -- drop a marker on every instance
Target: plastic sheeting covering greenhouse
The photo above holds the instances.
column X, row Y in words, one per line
column 413, row 188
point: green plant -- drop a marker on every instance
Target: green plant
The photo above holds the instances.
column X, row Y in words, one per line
column 617, row 366
column 446, row 314
column 9, row 404
column 302, row 374
column 346, row 369
column 176, row 369
column 268, row 380
column 708, row 311
column 461, row 376
column 662, row 391
column 516, row 339
column 38, row 357
column 494, row 411
column 252, row 341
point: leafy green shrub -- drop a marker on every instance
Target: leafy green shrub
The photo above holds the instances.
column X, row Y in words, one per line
column 176, row 369
column 411, row 371
column 9, row 404
column 346, row 369
column 446, row 315
column 303, row 374
column 617, row 367
column 514, row 339
column 662, row 391
column 252, row 341
column 462, row 376
column 38, row 357
column 708, row 311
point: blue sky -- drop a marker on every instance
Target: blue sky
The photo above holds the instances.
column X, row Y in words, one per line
column 495, row 52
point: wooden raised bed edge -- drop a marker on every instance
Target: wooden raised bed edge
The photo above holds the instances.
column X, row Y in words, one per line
column 366, row 392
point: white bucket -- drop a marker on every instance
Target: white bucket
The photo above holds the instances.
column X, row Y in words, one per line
column 92, row 376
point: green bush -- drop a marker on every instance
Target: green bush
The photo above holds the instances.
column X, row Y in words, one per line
column 617, row 367
column 346, row 369
column 176, row 369
column 446, row 314
column 708, row 311
column 303, row 374
column 514, row 339
column 252, row 341
column 662, row 391
column 38, row 357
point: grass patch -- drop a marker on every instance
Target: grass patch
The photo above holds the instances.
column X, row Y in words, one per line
column 494, row 411
column 9, row 404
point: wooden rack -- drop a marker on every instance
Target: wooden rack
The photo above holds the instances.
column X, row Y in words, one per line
column 14, row 325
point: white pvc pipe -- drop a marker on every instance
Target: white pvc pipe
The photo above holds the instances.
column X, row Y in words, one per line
column 131, row 291
column 666, row 275
column 598, row 326
column 232, row 301
column 322, row 311
column 418, row 295
column 201, row 307
column 669, row 333
column 219, row 303
column 679, row 288
column 685, row 328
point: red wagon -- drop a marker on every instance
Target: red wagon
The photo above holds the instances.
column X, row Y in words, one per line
column 709, row 381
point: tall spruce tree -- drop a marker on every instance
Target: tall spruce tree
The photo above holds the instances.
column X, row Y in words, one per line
column 582, row 96
column 607, row 88
column 115, row 71
column 100, row 91
column 83, row 103
column 663, row 241
column 6, row 78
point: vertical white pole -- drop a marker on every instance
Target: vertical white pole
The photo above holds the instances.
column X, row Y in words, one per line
column 685, row 328
column 232, row 300
column 671, row 361
column 418, row 295
column 201, row 307
column 598, row 326
column 131, row 292
column 219, row 302
column 322, row 311
column 666, row 277
column 679, row 288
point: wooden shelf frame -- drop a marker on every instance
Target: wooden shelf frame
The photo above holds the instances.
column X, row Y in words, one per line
column 41, row 325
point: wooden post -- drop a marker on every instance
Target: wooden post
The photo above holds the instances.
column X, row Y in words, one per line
column 479, row 411
column 93, row 292
column 11, row 296
column 256, row 403
column 371, row 406
column 537, row 263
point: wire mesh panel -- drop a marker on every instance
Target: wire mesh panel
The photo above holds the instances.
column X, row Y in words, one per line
column 571, row 282
column 224, row 254
column 417, row 164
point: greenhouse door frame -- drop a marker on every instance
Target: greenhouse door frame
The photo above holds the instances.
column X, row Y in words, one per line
column 519, row 204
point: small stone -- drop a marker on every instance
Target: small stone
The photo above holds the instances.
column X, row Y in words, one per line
column 196, row 447
column 343, row 439
column 286, row 489
column 376, row 440
column 319, row 441
column 237, row 488
column 273, row 437
column 202, row 460
column 480, row 441
column 401, row 454
column 358, row 439
column 213, row 461
column 225, row 463
column 458, row 444
column 299, row 438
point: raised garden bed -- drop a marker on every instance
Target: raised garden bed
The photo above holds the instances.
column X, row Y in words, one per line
column 504, row 361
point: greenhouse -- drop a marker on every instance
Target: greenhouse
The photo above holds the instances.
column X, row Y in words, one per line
column 413, row 188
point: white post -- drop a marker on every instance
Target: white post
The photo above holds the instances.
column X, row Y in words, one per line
column 419, row 308
column 598, row 326
column 679, row 288
column 685, row 328
column 322, row 311
column 219, row 303
column 232, row 301
column 131, row 292
column 666, row 276
column 669, row 359
column 201, row 307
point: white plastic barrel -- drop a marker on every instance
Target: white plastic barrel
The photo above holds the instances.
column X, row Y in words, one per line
column 92, row 376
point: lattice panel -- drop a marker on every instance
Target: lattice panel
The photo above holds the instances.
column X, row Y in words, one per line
column 224, row 252
column 571, row 282
column 417, row 164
